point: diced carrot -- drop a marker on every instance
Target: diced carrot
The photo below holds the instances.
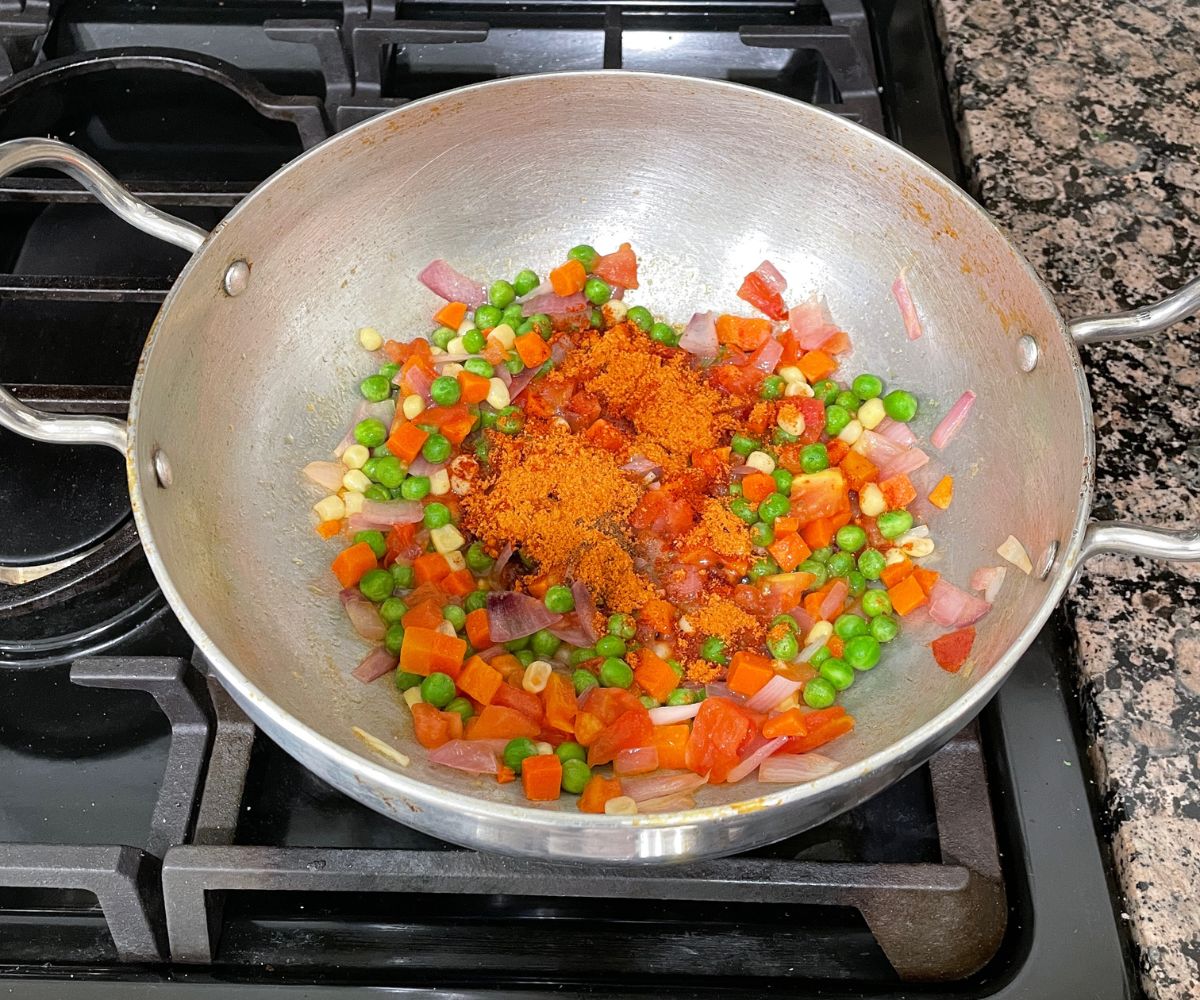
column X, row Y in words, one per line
column 671, row 742
column 839, row 343
column 837, row 449
column 789, row 723
column 479, row 681
column 858, row 470
column 479, row 632
column 925, row 578
column 907, row 596
column 499, row 722
column 327, row 529
column 812, row 602
column 505, row 775
column 430, row 567
column 943, row 493
column 532, row 349
column 654, row 674
column 818, row 533
column 598, row 791
column 741, row 331
column 898, row 491
column 509, row 666
column 474, row 387
column 423, row 614
column 416, row 362
column 406, row 441
column 604, row 435
column 459, row 583
column 587, row 728
column 757, row 486
column 351, row 563
column 816, row 365
column 432, row 727
column 789, row 551
column 568, row 279
column 426, row 651
column 748, row 672
column 823, row 726
column 658, row 615
column 786, row 525
column 541, row 776
column 451, row 314
column 896, row 572
column 560, row 703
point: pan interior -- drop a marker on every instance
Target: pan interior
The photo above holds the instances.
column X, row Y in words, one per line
column 705, row 180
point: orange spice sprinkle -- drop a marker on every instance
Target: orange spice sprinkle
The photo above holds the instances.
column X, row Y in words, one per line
column 719, row 616
column 720, row 530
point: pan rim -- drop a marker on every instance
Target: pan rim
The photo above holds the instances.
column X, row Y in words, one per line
column 843, row 788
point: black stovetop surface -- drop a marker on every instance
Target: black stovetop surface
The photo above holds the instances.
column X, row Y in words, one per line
column 151, row 841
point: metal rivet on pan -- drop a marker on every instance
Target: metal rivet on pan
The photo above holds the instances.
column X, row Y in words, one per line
column 162, row 468
column 1046, row 563
column 1029, row 353
column 237, row 278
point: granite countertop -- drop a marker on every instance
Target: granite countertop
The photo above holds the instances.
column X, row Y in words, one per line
column 1081, row 130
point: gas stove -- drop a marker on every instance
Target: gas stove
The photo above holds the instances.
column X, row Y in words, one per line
column 151, row 840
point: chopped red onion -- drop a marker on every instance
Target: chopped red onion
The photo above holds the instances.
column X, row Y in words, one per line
column 374, row 665
column 347, row 440
column 472, row 756
column 441, row 279
column 772, row 693
column 988, row 579
column 668, row 715
column 810, row 650
column 944, row 433
column 553, row 304
column 954, row 608
column 699, row 337
column 908, row 310
column 520, row 382
column 770, row 274
column 636, row 760
column 446, row 359
column 719, row 689
column 1014, row 552
column 502, row 559
column 752, row 760
column 362, row 614
column 804, row 620
column 421, row 466
column 639, row 465
column 655, row 786
column 791, row 768
column 545, row 288
column 380, row 515
column 767, row 356
column 679, row 802
column 832, row 603
column 415, row 381
column 569, row 629
column 895, row 431
column 811, row 323
column 585, row 607
column 505, row 376
column 514, row 616
column 327, row 475
column 559, row 349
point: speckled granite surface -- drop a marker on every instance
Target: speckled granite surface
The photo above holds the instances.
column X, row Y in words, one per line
column 1081, row 128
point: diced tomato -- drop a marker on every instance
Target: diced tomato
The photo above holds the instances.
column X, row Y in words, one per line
column 719, row 732
column 401, row 543
column 822, row 726
column 618, row 268
column 784, row 591
column 819, row 494
column 762, row 296
column 660, row 512
column 529, row 705
column 546, row 397
column 582, row 410
column 631, row 729
column 951, row 650
column 608, row 704
column 604, row 435
column 433, row 728
column 736, row 381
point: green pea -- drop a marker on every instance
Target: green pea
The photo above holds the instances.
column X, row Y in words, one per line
column 445, row 390
column 582, row 680
column 376, row 388
column 787, row 620
column 676, row 666
column 405, row 680
column 370, row 432
column 376, row 585
column 473, row 341
column 622, row 626
column 455, row 616
column 647, row 701
column 664, row 333
column 640, row 317
column 543, row 324
column 402, row 575
column 814, row 458
column 487, row 316
column 477, row 559
column 610, row 645
column 783, row 480
column 823, row 555
column 681, row 696
column 510, row 420
column 393, row 639
column 836, row 419
column 712, row 649
column 761, row 535
column 862, row 652
column 772, row 387
column 820, row 656
column 581, row 655
column 526, row 281
column 501, row 293
column 437, row 515
column 436, row 449
column 744, row 509
column 575, row 776
column 544, row 644
column 525, row 656
column 525, row 327
column 615, row 673
column 900, row 405
column 415, row 488
column 437, row 689
column 849, row 625
column 389, row 370
column 840, row 563
column 826, row 390
column 735, row 490
column 884, row 628
column 586, row 255
column 780, row 437
column 480, row 367
column 838, row 672
column 441, row 337
column 475, row 600
column 516, row 751
column 394, row 493
column 774, row 505
column 847, row 400
column 851, row 538
column 570, row 750
column 819, row 693
column 559, row 599
column 392, row 610
column 597, row 291
column 784, row 647
column 766, row 566
column 514, row 364
column 460, row 707
column 876, row 602
column 867, row 386
column 742, row 445
column 389, row 472
column 856, row 583
column 513, row 315
column 817, row 569
column 374, row 539
column 894, row 523
column 871, row 563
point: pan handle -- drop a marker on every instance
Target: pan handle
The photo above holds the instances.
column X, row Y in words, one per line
column 1178, row 544
column 23, row 154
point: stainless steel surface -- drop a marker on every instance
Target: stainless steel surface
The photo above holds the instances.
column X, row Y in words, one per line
column 241, row 392
column 1141, row 322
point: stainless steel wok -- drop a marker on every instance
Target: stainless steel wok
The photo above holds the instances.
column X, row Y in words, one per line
column 248, row 374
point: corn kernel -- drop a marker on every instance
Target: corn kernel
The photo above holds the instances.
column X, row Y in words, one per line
column 455, row 346
column 622, row 805
column 413, row 696
column 790, row 420
column 435, row 350
column 504, row 335
column 355, row 457
column 871, row 501
column 455, row 560
column 330, row 509
column 798, row 389
column 893, row 556
column 354, row 503
column 792, row 375
column 761, row 461
column 819, row 632
column 356, row 481
column 446, row 629
column 465, row 325
column 451, row 369
column 543, row 748
column 439, row 482
column 851, row 432
column 497, row 396
column 916, row 547
column 615, row 311
column 412, row 407
column 447, row 538
column 871, row 413
column 370, row 338
column 536, row 676
column 790, row 702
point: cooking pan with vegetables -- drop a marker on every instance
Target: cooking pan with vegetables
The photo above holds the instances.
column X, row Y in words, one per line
column 823, row 269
